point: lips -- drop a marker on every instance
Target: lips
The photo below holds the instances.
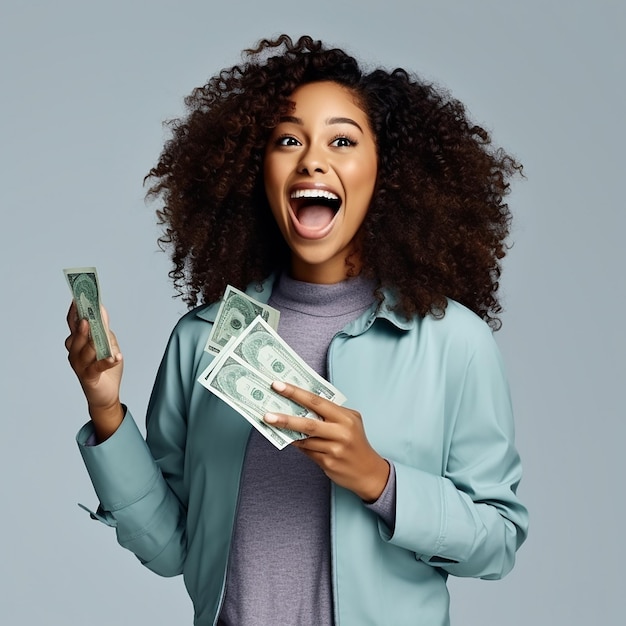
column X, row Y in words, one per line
column 313, row 211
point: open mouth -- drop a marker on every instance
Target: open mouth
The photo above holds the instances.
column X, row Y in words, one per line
column 314, row 209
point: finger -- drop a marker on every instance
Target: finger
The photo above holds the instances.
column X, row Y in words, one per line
column 89, row 359
column 72, row 317
column 317, row 457
column 116, row 355
column 86, row 364
column 308, row 399
column 81, row 351
column 312, row 446
column 307, row 425
column 78, row 337
column 105, row 316
column 106, row 364
column 115, row 347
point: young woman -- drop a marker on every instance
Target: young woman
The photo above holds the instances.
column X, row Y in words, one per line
column 370, row 211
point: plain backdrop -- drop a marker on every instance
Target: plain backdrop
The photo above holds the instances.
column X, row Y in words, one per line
column 84, row 89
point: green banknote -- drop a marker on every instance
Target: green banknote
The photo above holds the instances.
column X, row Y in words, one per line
column 243, row 372
column 85, row 288
column 236, row 312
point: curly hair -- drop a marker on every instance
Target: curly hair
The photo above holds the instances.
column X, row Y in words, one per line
column 437, row 224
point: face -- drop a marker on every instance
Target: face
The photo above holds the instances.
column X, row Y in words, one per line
column 320, row 172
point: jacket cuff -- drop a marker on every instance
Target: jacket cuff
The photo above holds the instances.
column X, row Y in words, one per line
column 121, row 468
column 420, row 506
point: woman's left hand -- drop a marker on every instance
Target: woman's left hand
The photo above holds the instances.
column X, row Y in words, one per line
column 337, row 442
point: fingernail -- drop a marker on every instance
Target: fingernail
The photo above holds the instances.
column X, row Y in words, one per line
column 279, row 385
column 270, row 418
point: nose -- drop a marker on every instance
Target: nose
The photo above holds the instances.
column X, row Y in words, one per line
column 311, row 161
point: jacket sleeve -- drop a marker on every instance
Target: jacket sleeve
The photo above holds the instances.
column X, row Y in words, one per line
column 141, row 487
column 467, row 521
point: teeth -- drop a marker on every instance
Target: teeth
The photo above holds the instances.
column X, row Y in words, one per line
column 314, row 193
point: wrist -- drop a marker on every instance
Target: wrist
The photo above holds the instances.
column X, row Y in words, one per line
column 106, row 420
column 377, row 481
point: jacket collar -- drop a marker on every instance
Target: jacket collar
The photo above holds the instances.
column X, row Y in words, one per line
column 383, row 310
column 262, row 292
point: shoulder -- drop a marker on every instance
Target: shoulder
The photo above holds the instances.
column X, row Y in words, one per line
column 461, row 323
column 456, row 324
column 470, row 340
column 459, row 334
column 201, row 318
column 192, row 329
column 197, row 317
column 457, row 321
column 453, row 341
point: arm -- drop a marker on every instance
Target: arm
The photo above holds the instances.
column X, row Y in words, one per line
column 469, row 521
column 337, row 442
column 100, row 380
column 146, row 509
column 135, row 499
column 466, row 519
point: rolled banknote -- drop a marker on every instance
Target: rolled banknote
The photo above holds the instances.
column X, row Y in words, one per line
column 243, row 373
column 236, row 312
column 85, row 288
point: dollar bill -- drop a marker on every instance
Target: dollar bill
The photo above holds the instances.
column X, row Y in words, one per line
column 85, row 288
column 243, row 373
column 250, row 394
column 262, row 349
column 235, row 314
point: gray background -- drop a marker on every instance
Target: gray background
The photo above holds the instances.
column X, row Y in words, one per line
column 85, row 87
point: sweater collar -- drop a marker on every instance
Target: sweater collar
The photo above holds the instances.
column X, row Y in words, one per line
column 348, row 298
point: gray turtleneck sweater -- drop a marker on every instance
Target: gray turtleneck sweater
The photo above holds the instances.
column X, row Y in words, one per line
column 279, row 565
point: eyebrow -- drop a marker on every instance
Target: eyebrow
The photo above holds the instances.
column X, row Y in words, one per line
column 331, row 120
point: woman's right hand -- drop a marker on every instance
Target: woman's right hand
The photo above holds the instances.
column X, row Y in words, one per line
column 100, row 380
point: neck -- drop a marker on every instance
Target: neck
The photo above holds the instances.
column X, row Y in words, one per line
column 325, row 274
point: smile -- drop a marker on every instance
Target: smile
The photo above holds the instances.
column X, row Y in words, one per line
column 313, row 211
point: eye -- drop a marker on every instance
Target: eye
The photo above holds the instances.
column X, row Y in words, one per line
column 287, row 140
column 343, row 141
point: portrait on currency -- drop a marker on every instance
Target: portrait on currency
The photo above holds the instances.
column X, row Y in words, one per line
column 237, row 311
column 253, row 397
column 244, row 387
column 262, row 351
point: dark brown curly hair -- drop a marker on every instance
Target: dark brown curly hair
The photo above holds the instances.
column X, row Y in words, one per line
column 437, row 224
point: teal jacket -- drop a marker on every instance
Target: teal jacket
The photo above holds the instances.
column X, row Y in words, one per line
column 434, row 400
